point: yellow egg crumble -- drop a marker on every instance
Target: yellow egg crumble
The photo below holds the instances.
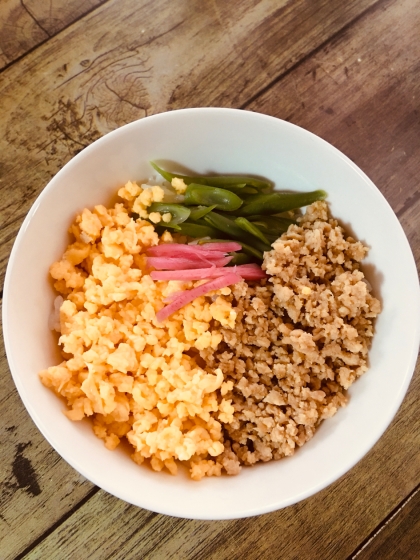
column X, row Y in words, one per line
column 135, row 377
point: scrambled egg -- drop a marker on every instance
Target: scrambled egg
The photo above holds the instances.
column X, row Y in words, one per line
column 135, row 377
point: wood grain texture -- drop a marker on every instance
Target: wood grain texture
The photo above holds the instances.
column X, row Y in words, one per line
column 99, row 74
column 128, row 59
column 362, row 93
column 19, row 32
column 328, row 525
column 24, row 24
column 55, row 15
column 399, row 537
column 36, row 486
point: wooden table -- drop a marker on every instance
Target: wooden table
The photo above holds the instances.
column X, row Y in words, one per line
column 72, row 70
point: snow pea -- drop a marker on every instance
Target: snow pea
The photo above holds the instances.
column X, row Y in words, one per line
column 252, row 251
column 211, row 196
column 197, row 231
column 263, row 247
column 271, row 238
column 232, row 230
column 179, row 213
column 271, row 224
column 224, row 224
column 247, row 249
column 251, row 228
column 212, row 240
column 214, row 181
column 241, row 190
column 224, row 180
column 200, row 211
column 239, row 258
column 274, row 203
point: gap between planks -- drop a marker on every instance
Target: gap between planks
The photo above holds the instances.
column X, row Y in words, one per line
column 30, row 14
column 384, row 523
column 32, row 49
column 55, row 525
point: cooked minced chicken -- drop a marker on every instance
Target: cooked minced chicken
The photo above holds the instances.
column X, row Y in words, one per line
column 299, row 341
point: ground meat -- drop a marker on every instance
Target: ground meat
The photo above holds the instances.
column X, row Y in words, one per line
column 301, row 338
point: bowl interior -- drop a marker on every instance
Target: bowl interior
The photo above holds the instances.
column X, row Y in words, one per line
column 223, row 141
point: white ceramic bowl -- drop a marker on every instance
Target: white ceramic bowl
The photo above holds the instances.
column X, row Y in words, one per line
column 225, row 141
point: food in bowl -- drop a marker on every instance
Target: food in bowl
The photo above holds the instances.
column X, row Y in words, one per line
column 243, row 373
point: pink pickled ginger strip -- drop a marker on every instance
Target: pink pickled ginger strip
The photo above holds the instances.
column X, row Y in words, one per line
column 175, row 263
column 247, row 271
column 180, row 250
column 187, row 296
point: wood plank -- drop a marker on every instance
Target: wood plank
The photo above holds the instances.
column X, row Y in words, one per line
column 410, row 222
column 360, row 93
column 36, row 486
column 24, row 24
column 374, row 502
column 399, row 537
column 19, row 32
column 126, row 60
column 328, row 525
column 55, row 15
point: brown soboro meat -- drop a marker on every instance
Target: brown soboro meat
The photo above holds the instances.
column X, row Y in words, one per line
column 301, row 339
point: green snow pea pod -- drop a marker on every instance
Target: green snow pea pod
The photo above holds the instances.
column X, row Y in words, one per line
column 200, row 211
column 247, row 249
column 248, row 190
column 271, row 238
column 198, row 231
column 224, row 224
column 214, row 181
column 274, row 203
column 271, row 224
column 225, row 180
column 239, row 258
column 252, row 251
column 263, row 247
column 211, row 196
column 213, row 240
column 232, row 230
column 179, row 213
column 251, row 228
column 249, row 254
column 241, row 190
column 186, row 178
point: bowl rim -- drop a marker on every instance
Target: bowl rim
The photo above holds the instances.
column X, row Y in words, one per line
column 376, row 434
